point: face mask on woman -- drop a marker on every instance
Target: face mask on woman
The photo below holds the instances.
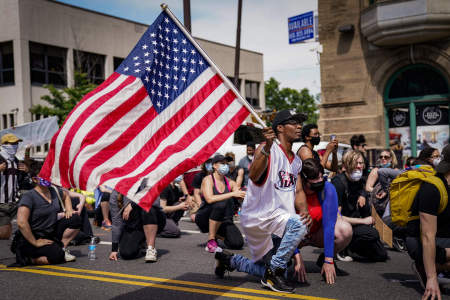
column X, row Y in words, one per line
column 436, row 161
column 223, row 169
column 43, row 182
column 386, row 165
column 178, row 179
column 209, row 167
column 356, row 175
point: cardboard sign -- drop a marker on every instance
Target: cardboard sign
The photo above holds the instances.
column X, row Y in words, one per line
column 384, row 230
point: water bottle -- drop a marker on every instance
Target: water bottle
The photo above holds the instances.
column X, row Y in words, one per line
column 91, row 252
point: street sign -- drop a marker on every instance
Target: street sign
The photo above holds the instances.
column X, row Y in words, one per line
column 301, row 27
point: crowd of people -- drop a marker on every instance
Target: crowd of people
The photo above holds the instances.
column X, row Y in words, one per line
column 285, row 201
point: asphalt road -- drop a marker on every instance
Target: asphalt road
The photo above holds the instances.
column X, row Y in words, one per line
column 186, row 271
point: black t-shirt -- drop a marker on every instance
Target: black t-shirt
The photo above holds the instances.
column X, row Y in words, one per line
column 427, row 201
column 197, row 182
column 171, row 194
column 348, row 193
column 43, row 215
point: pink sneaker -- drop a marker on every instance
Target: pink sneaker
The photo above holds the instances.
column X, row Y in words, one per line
column 212, row 247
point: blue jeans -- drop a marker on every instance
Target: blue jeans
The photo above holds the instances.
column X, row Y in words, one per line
column 283, row 250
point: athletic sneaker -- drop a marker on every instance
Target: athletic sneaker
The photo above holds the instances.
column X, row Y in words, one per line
column 67, row 256
column 398, row 244
column 419, row 270
column 275, row 281
column 342, row 256
column 212, row 246
column 223, row 263
column 151, row 254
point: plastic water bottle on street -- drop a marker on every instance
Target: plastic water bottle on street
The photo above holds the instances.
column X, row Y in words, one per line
column 91, row 252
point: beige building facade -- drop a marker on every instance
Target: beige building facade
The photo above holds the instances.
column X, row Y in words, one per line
column 385, row 71
column 42, row 41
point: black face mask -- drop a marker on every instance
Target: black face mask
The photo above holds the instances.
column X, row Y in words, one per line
column 317, row 186
column 315, row 140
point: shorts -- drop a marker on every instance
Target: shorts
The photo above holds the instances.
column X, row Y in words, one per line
column 8, row 211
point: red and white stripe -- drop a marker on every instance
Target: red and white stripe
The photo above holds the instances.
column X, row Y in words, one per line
column 115, row 137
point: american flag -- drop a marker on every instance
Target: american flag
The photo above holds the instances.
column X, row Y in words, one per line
column 163, row 111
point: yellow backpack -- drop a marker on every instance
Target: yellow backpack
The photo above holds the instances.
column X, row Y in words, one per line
column 404, row 188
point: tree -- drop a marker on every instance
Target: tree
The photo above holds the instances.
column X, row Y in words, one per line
column 63, row 101
column 287, row 98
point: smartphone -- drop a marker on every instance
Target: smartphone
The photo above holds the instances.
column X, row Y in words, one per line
column 332, row 137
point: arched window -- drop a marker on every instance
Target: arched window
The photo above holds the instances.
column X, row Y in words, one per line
column 416, row 81
column 416, row 100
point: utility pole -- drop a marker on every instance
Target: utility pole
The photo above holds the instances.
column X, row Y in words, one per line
column 187, row 14
column 238, row 47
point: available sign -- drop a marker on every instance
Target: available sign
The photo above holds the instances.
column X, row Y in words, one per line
column 301, row 27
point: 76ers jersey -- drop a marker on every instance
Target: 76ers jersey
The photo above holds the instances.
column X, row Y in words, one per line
column 267, row 207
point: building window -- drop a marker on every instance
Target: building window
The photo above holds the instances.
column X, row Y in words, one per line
column 239, row 83
column 6, row 63
column 8, row 120
column 90, row 63
column 48, row 64
column 117, row 62
column 252, row 93
column 417, row 81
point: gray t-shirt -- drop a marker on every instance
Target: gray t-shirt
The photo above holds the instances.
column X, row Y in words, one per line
column 43, row 215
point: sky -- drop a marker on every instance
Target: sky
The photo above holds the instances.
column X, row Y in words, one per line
column 264, row 29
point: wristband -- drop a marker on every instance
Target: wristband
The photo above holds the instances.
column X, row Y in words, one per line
column 328, row 262
column 264, row 152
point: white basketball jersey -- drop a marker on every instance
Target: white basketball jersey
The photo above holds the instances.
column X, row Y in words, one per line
column 267, row 207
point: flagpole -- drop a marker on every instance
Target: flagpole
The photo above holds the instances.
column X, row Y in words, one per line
column 227, row 82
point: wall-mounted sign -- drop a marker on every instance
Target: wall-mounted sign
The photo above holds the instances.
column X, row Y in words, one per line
column 398, row 117
column 301, row 27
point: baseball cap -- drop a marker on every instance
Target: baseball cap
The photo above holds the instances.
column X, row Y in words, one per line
column 10, row 138
column 286, row 115
column 444, row 166
column 219, row 157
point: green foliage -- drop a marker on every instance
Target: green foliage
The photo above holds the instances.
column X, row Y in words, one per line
column 62, row 101
column 287, row 98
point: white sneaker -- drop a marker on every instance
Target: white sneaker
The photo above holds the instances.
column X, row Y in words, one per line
column 344, row 257
column 151, row 255
column 67, row 256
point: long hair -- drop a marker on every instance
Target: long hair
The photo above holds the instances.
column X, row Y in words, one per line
column 350, row 160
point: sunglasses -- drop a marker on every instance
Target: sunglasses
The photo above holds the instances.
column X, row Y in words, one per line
column 384, row 157
column 291, row 122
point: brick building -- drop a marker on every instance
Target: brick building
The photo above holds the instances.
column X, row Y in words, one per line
column 385, row 71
